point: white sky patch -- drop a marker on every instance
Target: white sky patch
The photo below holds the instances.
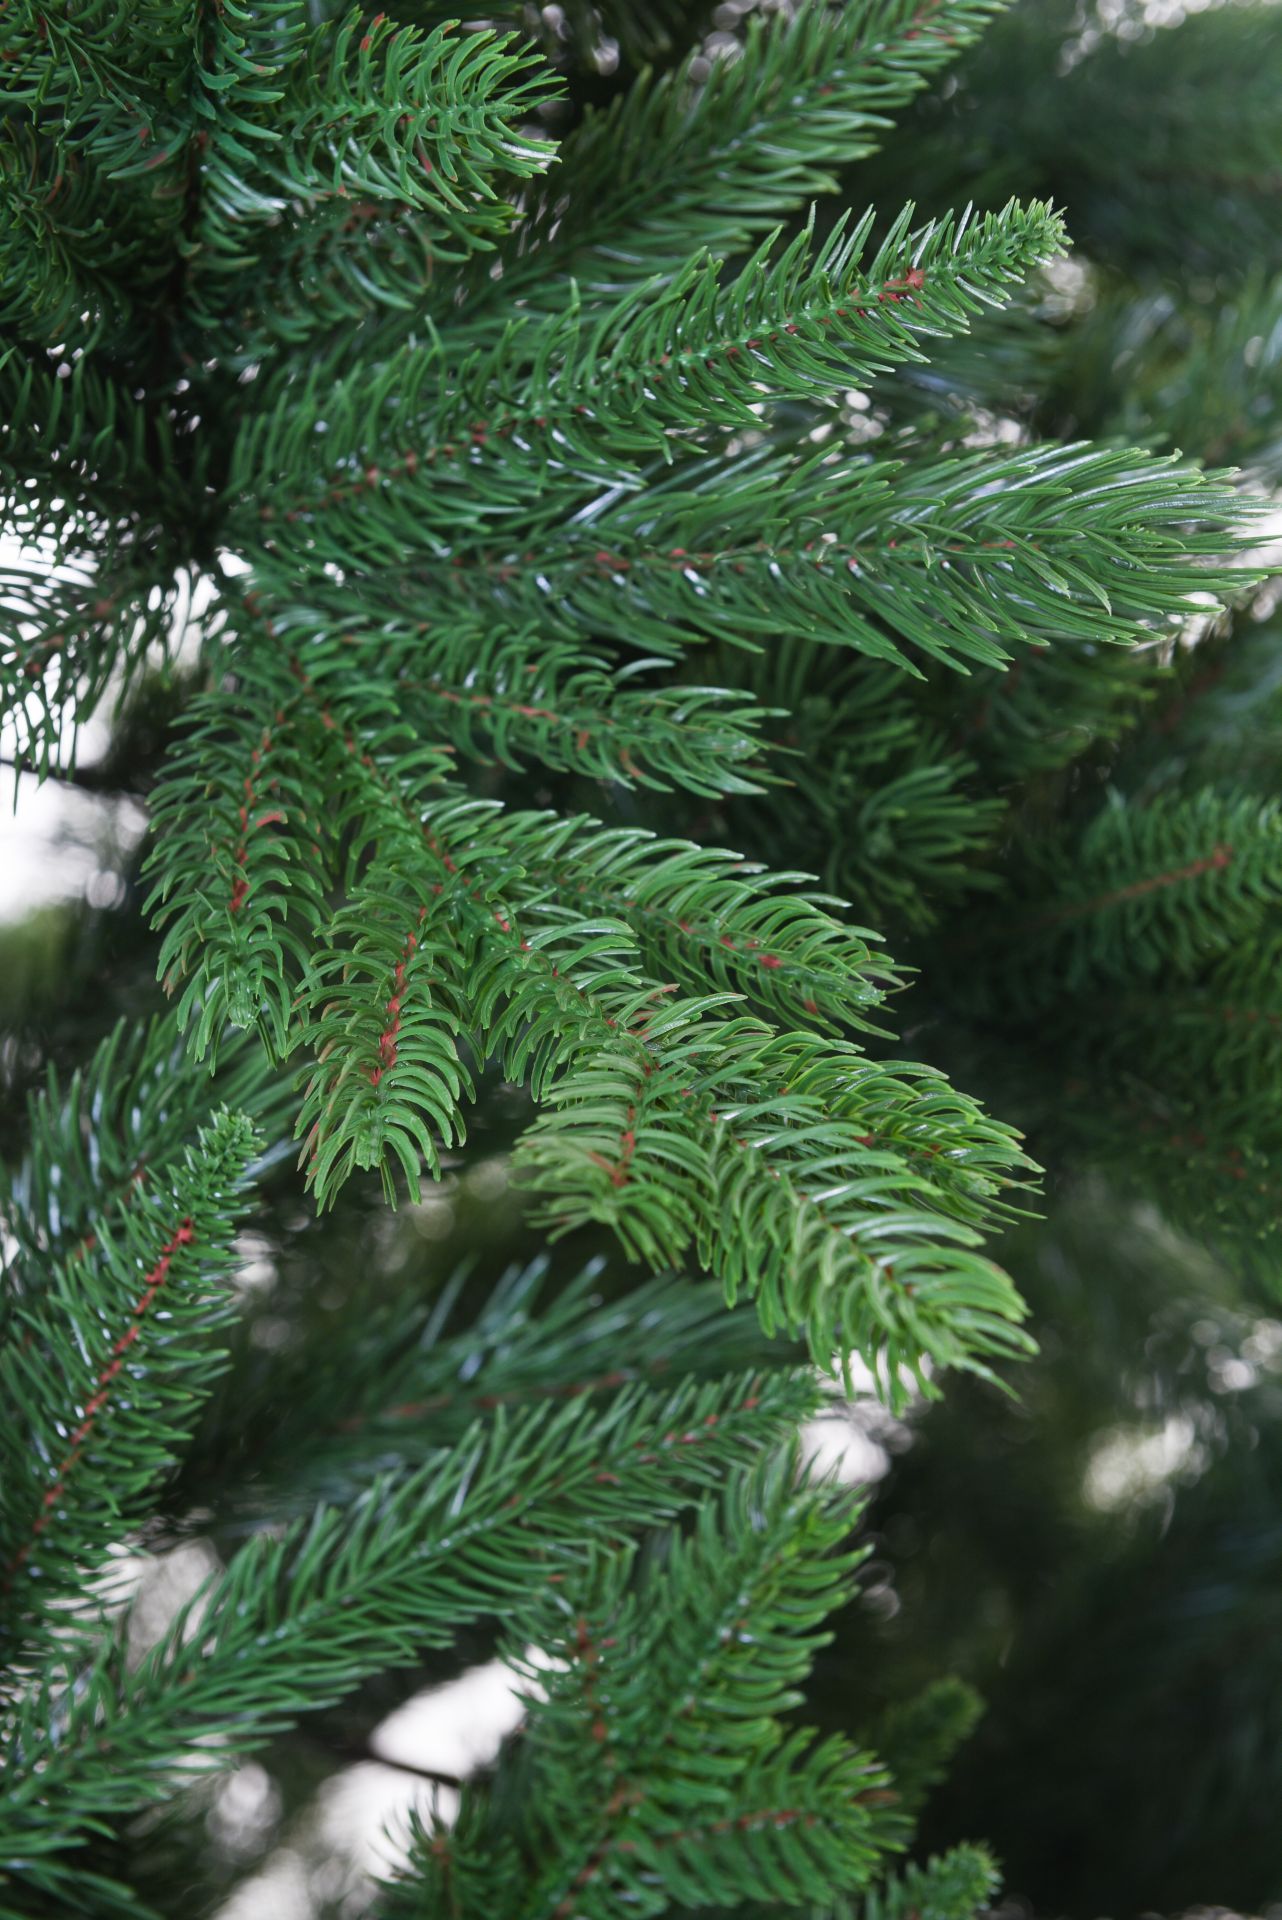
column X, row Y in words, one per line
column 840, row 1449
column 1132, row 1464
column 358, row 1827
column 59, row 844
column 455, row 1728
column 280, row 1892
column 855, row 1438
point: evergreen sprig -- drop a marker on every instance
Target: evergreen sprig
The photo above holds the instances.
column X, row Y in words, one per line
column 122, row 1325
column 510, row 695
column 654, row 1770
column 298, row 1620
column 1142, row 890
column 959, row 563
column 953, row 1886
column 69, row 632
column 368, row 111
column 836, row 1193
column 415, row 1379
column 679, row 162
column 590, row 391
column 82, row 458
column 63, row 256
column 94, row 1141
column 246, row 840
column 643, row 1086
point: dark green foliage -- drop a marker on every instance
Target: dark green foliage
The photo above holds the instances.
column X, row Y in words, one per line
column 654, row 1769
column 920, row 1736
column 886, row 795
column 708, row 158
column 500, row 697
column 488, row 1468
column 380, row 141
column 951, row 1887
column 1112, row 987
column 1143, row 890
column 387, row 1569
column 411, row 1380
column 959, row 561
column 580, row 549
column 131, row 1370
column 123, row 1118
column 552, row 945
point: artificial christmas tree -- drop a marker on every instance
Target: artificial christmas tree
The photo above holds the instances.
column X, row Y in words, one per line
column 546, row 492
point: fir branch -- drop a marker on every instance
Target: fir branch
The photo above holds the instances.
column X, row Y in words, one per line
column 408, row 1382
column 68, row 634
column 846, row 1198
column 103, row 78
column 785, row 950
column 652, row 1770
column 562, row 708
column 634, row 1079
column 918, row 1737
column 116, row 1125
column 312, row 274
column 511, row 696
column 698, row 915
column 427, row 118
column 915, row 836
column 388, row 1079
column 561, row 1001
column 101, row 104
column 65, row 255
column 243, row 863
column 108, row 98
column 298, row 1620
column 362, row 110
column 1143, row 890
column 81, row 1452
column 272, row 302
column 677, row 163
column 802, row 321
column 951, row 1886
column 86, row 466
column 960, row 561
column 528, row 995
column 76, row 1890
column 594, row 392
column 819, row 1186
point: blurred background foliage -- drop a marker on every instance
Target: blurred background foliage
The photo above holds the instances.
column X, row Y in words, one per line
column 1099, row 1552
